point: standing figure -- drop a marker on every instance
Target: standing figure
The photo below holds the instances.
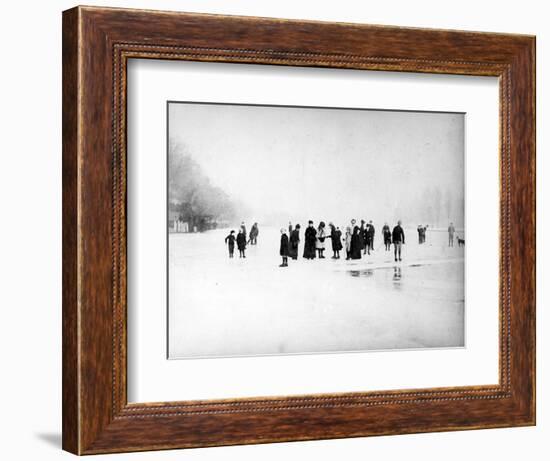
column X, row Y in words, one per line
column 253, row 240
column 243, row 227
column 320, row 242
column 398, row 238
column 283, row 251
column 289, row 228
column 230, row 241
column 241, row 242
column 419, row 230
column 356, row 244
column 371, row 232
column 364, row 237
column 451, row 230
column 336, row 239
column 386, row 232
column 310, row 241
column 294, row 240
column 348, row 242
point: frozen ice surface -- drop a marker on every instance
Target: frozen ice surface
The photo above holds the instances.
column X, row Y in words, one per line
column 237, row 307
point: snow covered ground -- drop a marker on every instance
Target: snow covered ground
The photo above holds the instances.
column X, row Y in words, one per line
column 234, row 307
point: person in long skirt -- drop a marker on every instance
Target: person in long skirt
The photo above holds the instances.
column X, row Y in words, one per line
column 294, row 241
column 356, row 244
column 366, row 239
column 336, row 239
column 310, row 241
column 320, row 242
column 386, row 232
column 241, row 243
column 283, row 251
column 348, row 242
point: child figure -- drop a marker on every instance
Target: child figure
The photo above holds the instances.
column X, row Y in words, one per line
column 284, row 248
column 230, row 241
column 241, row 242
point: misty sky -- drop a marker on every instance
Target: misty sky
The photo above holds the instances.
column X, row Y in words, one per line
column 326, row 164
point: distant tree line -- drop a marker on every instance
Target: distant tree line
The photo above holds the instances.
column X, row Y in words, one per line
column 432, row 207
column 192, row 196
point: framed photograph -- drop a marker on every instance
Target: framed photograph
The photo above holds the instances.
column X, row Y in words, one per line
column 281, row 230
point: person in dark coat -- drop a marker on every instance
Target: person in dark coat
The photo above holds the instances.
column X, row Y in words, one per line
column 371, row 231
column 243, row 227
column 289, row 228
column 230, row 241
column 336, row 240
column 386, row 232
column 241, row 243
column 398, row 239
column 363, row 235
column 366, row 238
column 283, row 251
column 355, row 251
column 294, row 241
column 310, row 241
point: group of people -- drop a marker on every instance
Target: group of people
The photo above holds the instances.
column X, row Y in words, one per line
column 241, row 239
column 357, row 240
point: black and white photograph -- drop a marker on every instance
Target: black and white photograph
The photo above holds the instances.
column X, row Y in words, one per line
column 301, row 230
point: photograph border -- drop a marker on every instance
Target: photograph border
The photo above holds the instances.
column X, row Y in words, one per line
column 97, row 44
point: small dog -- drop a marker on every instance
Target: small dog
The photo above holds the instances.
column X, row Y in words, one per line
column 461, row 242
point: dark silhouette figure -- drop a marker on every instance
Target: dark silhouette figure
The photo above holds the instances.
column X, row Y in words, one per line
column 356, row 244
column 294, row 241
column 386, row 232
column 230, row 241
column 310, row 240
column 398, row 238
column 283, row 251
column 241, row 243
column 336, row 239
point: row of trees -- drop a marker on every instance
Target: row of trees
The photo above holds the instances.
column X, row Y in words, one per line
column 191, row 194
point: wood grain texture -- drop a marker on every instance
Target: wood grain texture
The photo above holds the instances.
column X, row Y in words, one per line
column 97, row 43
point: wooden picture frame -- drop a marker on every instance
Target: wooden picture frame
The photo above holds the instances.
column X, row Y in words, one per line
column 97, row 43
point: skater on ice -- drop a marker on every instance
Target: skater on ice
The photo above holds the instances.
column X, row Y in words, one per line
column 336, row 239
column 451, row 231
column 294, row 241
column 310, row 241
column 398, row 238
column 253, row 240
column 283, row 251
column 386, row 232
column 241, row 242
column 320, row 242
column 230, row 241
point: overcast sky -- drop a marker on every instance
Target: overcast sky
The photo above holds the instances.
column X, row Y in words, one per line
column 326, row 164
